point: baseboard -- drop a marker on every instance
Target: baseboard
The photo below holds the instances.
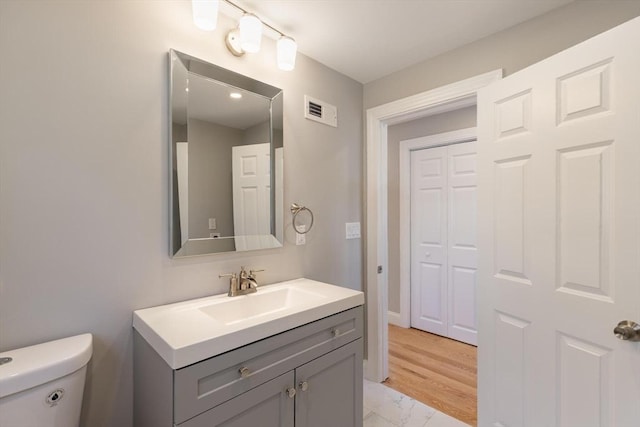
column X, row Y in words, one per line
column 394, row 318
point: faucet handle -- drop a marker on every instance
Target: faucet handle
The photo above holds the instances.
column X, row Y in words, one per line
column 233, row 283
column 252, row 272
column 243, row 273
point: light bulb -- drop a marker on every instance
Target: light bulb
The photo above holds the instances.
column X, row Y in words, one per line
column 250, row 33
column 205, row 14
column 287, row 48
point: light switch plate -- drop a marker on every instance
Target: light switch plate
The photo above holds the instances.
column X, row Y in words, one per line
column 352, row 230
column 212, row 224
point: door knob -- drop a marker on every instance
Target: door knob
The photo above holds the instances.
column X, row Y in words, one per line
column 627, row 331
column 304, row 386
column 291, row 392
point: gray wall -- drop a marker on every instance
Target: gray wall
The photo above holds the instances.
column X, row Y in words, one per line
column 210, row 177
column 512, row 49
column 84, row 177
column 256, row 134
column 432, row 125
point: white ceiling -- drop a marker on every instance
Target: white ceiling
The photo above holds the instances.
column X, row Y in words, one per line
column 210, row 101
column 369, row 39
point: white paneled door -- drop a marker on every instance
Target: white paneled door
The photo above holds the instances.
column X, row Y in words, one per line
column 428, row 240
column 251, row 196
column 443, row 241
column 461, row 242
column 559, row 238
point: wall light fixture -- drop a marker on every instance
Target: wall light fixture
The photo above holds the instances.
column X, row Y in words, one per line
column 205, row 14
column 247, row 37
column 250, row 33
column 287, row 49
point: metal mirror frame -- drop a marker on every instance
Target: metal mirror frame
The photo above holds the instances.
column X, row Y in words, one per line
column 194, row 247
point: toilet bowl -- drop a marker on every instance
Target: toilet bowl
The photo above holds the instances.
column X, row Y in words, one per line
column 42, row 385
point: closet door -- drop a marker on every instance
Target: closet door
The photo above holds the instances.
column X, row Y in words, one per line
column 461, row 242
column 429, row 240
column 443, row 241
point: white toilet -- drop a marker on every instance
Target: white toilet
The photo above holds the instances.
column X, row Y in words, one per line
column 42, row 385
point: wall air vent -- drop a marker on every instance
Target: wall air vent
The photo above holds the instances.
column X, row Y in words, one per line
column 320, row 111
column 315, row 109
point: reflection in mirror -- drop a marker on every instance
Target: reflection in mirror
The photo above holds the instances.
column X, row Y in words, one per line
column 227, row 160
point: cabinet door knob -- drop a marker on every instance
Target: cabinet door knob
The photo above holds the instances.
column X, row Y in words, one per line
column 291, row 392
column 304, row 386
column 244, row 372
column 335, row 332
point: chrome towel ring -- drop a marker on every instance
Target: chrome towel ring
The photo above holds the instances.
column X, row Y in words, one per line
column 295, row 210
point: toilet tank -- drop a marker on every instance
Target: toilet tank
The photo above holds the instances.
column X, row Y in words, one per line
column 42, row 385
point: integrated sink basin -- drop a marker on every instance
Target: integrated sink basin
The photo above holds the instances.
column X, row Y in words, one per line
column 190, row 331
column 261, row 304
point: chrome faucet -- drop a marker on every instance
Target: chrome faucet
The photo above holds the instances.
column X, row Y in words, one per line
column 242, row 284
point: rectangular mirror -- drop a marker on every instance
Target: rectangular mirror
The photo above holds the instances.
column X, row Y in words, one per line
column 226, row 160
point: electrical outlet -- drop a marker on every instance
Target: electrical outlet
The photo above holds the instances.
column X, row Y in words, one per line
column 301, row 239
column 352, row 230
column 212, row 224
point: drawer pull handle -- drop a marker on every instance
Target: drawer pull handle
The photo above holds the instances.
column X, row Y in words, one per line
column 244, row 372
column 304, row 386
column 291, row 392
column 335, row 332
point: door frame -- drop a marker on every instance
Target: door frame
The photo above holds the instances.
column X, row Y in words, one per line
column 440, row 100
column 406, row 147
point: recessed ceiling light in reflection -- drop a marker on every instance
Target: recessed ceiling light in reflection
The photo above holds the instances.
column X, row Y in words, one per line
column 235, row 95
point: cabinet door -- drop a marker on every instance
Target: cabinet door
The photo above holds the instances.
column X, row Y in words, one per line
column 268, row 405
column 330, row 389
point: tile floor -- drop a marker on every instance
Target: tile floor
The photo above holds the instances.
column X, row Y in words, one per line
column 384, row 407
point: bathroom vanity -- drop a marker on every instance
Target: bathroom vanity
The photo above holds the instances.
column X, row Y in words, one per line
column 288, row 355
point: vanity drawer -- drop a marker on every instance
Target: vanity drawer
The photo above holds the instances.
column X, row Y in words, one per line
column 211, row 382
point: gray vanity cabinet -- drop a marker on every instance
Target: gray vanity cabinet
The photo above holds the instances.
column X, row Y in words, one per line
column 330, row 389
column 322, row 393
column 268, row 405
column 309, row 376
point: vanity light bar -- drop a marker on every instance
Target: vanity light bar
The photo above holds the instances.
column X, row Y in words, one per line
column 247, row 37
column 243, row 11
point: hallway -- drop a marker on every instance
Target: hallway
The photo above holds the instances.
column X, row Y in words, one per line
column 437, row 371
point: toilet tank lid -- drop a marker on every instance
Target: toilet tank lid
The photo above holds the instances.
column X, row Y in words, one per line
column 41, row 363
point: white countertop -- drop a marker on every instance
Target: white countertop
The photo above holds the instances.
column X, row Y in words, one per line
column 187, row 332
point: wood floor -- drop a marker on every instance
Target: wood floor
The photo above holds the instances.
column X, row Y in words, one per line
column 437, row 371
